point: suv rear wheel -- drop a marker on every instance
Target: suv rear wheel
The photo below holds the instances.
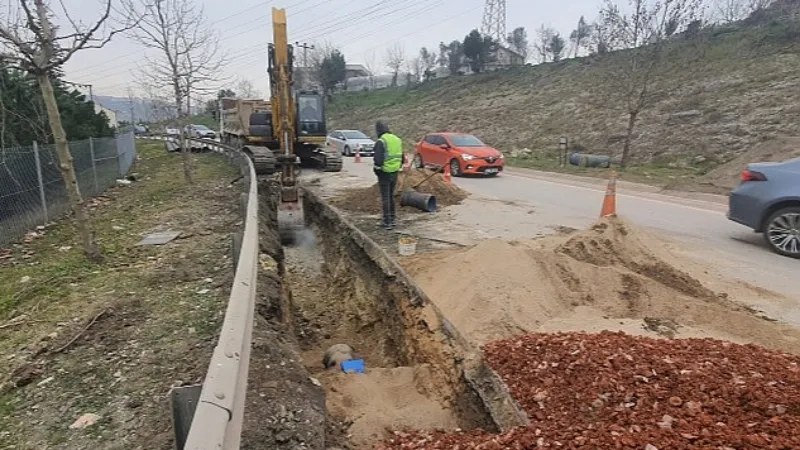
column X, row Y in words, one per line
column 782, row 232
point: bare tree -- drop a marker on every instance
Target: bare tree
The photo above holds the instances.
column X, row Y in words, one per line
column 428, row 61
column 33, row 43
column 395, row 58
column 245, row 89
column 643, row 34
column 544, row 37
column 416, row 67
column 188, row 60
column 369, row 63
column 580, row 35
column 727, row 11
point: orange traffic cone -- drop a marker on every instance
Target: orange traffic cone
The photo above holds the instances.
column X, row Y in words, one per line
column 610, row 201
column 448, row 177
column 358, row 154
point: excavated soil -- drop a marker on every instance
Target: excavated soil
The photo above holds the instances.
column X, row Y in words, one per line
column 614, row 390
column 368, row 200
column 610, row 277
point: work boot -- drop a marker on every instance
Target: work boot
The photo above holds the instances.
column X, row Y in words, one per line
column 387, row 226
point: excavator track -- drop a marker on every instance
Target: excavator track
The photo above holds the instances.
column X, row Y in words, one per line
column 333, row 162
column 264, row 160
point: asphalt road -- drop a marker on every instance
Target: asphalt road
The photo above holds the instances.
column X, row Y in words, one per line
column 699, row 227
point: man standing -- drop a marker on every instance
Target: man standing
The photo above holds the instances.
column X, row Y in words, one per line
column 387, row 161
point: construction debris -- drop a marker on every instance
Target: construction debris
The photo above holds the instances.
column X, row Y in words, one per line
column 159, row 238
column 612, row 390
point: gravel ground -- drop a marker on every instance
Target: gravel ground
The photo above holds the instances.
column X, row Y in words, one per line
column 618, row 391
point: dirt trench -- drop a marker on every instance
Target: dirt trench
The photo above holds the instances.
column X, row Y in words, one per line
column 333, row 287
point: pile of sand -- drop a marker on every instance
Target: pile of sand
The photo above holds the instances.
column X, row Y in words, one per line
column 386, row 399
column 368, row 200
column 604, row 278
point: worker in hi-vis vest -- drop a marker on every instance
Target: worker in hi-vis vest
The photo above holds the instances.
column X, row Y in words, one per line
column 388, row 160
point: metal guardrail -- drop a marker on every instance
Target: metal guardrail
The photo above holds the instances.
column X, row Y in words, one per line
column 219, row 414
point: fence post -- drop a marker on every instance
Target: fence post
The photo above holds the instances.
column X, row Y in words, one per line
column 94, row 166
column 39, row 176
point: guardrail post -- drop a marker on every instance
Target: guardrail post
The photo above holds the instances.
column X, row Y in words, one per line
column 94, row 165
column 39, row 177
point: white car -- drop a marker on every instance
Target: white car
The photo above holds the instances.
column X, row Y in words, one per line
column 199, row 132
column 172, row 131
column 347, row 142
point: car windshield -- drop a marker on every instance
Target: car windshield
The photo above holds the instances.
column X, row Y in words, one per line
column 466, row 140
column 355, row 135
column 201, row 127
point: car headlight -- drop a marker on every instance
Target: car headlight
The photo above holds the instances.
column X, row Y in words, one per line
column 501, row 156
column 467, row 157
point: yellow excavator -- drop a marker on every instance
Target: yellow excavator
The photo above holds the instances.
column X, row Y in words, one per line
column 298, row 127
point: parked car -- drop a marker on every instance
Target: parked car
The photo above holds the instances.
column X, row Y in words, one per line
column 140, row 130
column 464, row 153
column 768, row 201
column 347, row 142
column 172, row 131
column 199, row 131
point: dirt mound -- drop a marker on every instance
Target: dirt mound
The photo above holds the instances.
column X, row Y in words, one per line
column 610, row 277
column 613, row 243
column 727, row 175
column 617, row 391
column 368, row 200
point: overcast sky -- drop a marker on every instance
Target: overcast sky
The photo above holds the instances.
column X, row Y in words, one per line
column 245, row 29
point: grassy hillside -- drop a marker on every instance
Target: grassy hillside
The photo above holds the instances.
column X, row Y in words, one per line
column 735, row 87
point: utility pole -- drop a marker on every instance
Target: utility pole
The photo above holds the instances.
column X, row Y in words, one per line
column 305, row 48
column 130, row 105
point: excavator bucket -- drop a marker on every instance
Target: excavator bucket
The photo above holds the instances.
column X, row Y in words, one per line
column 291, row 221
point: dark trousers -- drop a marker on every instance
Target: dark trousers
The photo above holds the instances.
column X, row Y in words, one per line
column 387, row 183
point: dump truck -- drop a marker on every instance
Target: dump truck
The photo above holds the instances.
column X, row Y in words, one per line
column 247, row 124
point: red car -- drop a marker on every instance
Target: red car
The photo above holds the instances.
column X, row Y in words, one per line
column 464, row 153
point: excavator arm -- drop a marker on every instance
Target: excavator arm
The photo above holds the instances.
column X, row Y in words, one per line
column 283, row 108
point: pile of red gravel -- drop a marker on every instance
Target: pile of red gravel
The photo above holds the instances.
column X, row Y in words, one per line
column 616, row 391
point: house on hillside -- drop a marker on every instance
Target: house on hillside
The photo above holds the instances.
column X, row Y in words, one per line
column 505, row 57
column 110, row 114
column 356, row 70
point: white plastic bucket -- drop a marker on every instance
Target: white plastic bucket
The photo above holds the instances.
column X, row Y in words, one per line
column 406, row 246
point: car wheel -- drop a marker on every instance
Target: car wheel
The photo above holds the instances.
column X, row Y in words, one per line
column 783, row 231
column 455, row 168
column 347, row 151
column 418, row 162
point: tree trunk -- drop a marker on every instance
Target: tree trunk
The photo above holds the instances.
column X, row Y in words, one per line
column 626, row 149
column 182, row 122
column 82, row 220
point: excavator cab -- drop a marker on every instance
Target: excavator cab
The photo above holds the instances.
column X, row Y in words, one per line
column 310, row 114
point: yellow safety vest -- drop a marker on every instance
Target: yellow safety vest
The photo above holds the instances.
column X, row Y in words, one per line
column 394, row 153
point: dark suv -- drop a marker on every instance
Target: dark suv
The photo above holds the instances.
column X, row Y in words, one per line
column 768, row 201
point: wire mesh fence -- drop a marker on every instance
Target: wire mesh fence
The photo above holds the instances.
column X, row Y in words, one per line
column 32, row 190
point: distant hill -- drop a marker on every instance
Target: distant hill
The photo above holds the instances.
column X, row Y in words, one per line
column 143, row 110
column 739, row 85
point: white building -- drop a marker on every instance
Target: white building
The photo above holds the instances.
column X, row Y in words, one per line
column 110, row 114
